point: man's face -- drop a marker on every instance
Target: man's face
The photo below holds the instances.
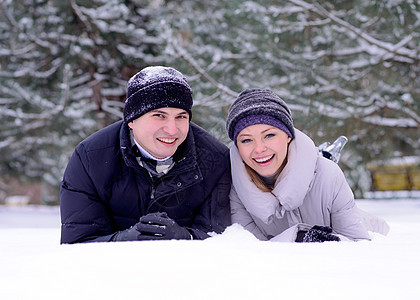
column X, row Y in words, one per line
column 161, row 131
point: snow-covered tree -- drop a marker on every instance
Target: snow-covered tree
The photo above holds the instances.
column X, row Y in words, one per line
column 344, row 67
column 64, row 68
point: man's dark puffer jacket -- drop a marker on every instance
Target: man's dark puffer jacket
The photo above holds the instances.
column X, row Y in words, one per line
column 104, row 189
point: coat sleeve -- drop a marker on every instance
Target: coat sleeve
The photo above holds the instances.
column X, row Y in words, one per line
column 242, row 217
column 83, row 214
column 345, row 216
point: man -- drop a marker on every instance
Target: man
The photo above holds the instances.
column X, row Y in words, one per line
column 152, row 176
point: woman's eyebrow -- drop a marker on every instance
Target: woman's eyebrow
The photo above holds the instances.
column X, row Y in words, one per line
column 267, row 130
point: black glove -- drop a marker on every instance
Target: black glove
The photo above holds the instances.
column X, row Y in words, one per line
column 317, row 234
column 160, row 225
column 153, row 226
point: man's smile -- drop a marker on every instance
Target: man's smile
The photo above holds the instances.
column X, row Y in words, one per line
column 167, row 140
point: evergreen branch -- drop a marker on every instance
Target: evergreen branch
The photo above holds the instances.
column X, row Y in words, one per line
column 80, row 15
column 190, row 60
column 397, row 49
column 185, row 55
column 9, row 17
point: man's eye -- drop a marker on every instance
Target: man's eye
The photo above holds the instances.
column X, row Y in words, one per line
column 158, row 115
column 182, row 117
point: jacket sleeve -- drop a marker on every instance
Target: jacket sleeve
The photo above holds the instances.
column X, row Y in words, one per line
column 83, row 214
column 374, row 223
column 242, row 217
column 214, row 214
column 345, row 216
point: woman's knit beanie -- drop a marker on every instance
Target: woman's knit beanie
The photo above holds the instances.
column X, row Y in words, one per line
column 258, row 106
column 155, row 87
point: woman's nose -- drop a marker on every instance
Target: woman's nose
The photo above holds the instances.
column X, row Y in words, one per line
column 260, row 147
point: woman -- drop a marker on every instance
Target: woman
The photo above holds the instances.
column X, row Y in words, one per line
column 283, row 190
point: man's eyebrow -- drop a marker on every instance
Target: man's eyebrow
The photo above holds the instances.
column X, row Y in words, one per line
column 158, row 111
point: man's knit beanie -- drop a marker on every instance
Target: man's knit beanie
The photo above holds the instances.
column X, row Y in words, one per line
column 155, row 87
column 258, row 106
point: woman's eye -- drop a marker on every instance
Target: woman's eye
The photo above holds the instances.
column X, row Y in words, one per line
column 270, row 135
column 245, row 141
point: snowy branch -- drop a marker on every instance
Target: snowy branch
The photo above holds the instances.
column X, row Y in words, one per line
column 184, row 54
column 9, row 17
column 17, row 52
column 179, row 50
column 397, row 49
column 80, row 15
column 391, row 122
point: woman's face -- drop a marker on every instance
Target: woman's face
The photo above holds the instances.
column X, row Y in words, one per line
column 263, row 148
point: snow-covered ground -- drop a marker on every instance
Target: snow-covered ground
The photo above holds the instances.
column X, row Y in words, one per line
column 233, row 265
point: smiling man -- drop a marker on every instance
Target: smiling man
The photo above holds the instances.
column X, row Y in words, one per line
column 153, row 176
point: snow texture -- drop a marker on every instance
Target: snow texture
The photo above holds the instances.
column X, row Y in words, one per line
column 232, row 265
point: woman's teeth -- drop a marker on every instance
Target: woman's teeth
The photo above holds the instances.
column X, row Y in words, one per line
column 263, row 159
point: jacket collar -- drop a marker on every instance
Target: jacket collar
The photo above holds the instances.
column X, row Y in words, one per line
column 186, row 152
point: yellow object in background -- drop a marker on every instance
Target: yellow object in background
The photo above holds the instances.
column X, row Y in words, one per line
column 396, row 174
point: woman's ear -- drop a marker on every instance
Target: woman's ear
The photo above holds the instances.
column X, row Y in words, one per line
column 289, row 139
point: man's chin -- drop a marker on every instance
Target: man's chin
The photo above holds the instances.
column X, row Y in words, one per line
column 164, row 154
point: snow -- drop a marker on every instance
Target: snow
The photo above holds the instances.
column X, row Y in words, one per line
column 233, row 265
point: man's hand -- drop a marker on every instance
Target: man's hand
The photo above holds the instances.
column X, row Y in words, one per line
column 317, row 234
column 154, row 226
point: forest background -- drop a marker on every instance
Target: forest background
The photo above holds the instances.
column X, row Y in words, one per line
column 344, row 67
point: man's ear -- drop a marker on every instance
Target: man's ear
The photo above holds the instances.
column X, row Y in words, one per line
column 130, row 124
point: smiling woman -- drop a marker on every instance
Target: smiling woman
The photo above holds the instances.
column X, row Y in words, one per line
column 263, row 148
column 282, row 188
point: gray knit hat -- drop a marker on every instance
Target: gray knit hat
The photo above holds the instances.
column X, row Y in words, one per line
column 258, row 106
column 155, row 87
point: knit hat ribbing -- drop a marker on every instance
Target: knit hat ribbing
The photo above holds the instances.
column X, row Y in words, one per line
column 259, row 103
column 259, row 119
column 155, row 87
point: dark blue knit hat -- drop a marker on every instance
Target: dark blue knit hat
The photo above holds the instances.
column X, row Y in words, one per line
column 155, row 87
column 259, row 119
column 258, row 106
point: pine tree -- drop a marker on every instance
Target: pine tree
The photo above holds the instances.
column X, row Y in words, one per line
column 64, row 68
column 344, row 67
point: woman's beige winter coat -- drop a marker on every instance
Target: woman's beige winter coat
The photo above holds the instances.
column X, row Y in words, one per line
column 310, row 190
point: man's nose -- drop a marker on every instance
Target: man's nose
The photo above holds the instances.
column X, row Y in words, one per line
column 170, row 127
